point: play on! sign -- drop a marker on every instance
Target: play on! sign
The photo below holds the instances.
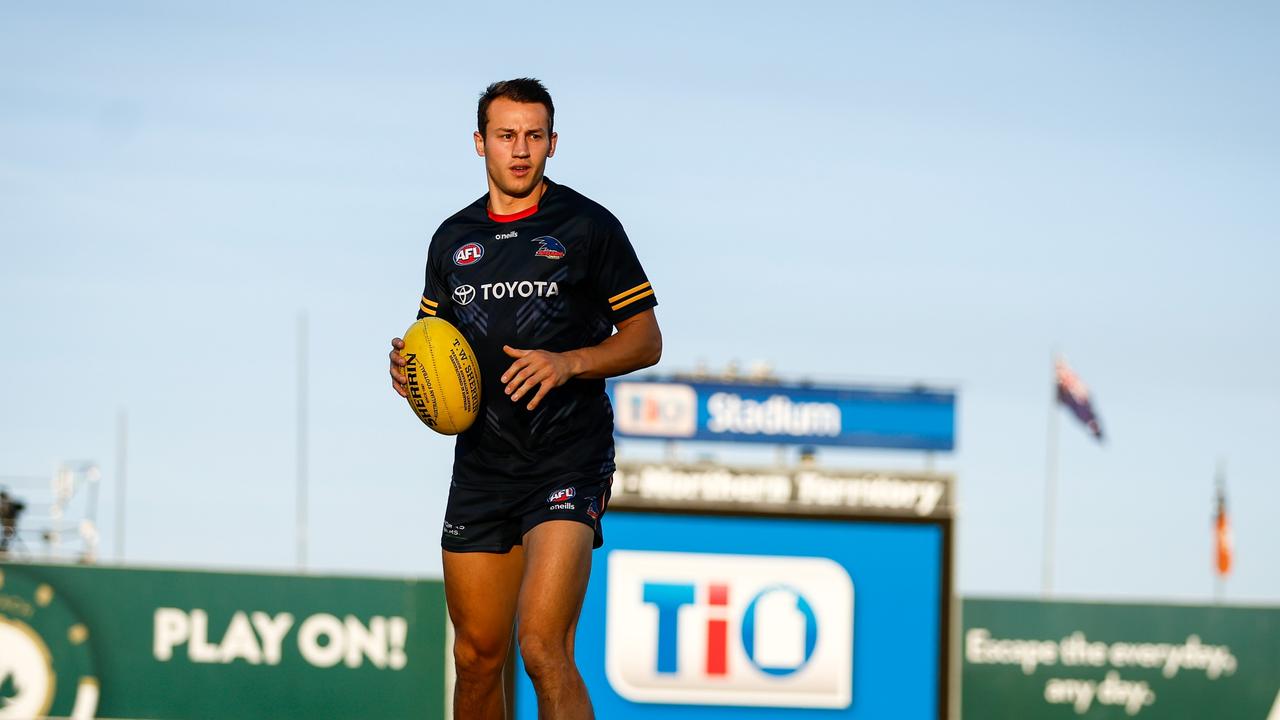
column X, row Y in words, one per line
column 715, row 629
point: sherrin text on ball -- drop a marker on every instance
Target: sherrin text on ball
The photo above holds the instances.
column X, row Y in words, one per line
column 444, row 378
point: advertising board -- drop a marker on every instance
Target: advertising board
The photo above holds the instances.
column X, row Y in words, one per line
column 85, row 642
column 706, row 606
column 1026, row 658
column 785, row 490
column 852, row 416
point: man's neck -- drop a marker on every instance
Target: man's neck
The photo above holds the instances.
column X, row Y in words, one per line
column 501, row 203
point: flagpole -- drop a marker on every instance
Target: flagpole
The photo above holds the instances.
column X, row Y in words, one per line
column 1219, row 483
column 1050, row 487
column 122, row 474
column 301, row 458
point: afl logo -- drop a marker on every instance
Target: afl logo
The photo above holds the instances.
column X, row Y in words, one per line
column 468, row 254
column 549, row 247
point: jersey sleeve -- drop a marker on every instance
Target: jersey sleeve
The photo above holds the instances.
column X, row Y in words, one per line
column 435, row 301
column 619, row 281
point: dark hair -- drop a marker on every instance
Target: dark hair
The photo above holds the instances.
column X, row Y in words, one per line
column 521, row 90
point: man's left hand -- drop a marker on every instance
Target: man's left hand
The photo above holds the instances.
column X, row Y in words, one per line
column 536, row 369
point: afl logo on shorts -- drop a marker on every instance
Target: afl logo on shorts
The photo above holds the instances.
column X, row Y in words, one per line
column 562, row 494
column 468, row 254
column 549, row 247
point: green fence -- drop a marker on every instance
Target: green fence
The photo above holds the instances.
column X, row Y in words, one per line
column 87, row 642
column 1028, row 659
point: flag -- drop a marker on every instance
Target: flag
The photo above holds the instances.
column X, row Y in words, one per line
column 1073, row 393
column 1222, row 536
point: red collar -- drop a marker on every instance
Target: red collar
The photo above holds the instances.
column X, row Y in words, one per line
column 513, row 216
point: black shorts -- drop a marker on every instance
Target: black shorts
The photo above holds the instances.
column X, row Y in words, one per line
column 495, row 519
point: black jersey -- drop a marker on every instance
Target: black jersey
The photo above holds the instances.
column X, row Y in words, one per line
column 555, row 277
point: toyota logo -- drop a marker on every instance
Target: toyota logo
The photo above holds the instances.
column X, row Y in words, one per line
column 464, row 294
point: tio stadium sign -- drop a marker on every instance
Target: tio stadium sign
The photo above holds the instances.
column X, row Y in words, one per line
column 711, row 629
column 901, row 418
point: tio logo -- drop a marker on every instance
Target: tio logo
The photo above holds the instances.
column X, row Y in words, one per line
column 656, row 409
column 729, row 629
column 785, row 618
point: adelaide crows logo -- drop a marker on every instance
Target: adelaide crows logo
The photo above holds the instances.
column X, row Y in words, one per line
column 549, row 247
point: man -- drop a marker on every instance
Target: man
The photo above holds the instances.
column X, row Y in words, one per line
column 537, row 277
column 10, row 509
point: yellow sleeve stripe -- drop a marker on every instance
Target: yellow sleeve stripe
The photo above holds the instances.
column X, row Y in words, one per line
column 621, row 295
column 430, row 311
column 429, row 303
column 628, row 301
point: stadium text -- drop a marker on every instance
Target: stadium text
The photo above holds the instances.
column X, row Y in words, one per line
column 778, row 415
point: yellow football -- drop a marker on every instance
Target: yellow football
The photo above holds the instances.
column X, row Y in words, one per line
column 444, row 378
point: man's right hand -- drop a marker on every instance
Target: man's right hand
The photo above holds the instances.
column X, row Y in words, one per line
column 398, row 378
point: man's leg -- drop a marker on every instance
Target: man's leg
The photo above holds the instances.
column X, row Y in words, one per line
column 557, row 566
column 481, row 590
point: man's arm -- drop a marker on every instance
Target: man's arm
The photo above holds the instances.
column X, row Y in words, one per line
column 636, row 345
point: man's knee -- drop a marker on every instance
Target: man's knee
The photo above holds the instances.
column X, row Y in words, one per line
column 477, row 656
column 546, row 657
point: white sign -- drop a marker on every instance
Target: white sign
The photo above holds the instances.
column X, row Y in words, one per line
column 881, row 493
column 257, row 638
column 709, row 629
column 657, row 409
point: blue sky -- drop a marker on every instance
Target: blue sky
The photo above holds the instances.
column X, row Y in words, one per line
column 874, row 191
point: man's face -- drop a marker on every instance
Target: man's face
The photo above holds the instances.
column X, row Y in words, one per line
column 516, row 145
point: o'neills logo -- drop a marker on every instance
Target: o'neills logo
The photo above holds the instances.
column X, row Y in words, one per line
column 779, row 415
